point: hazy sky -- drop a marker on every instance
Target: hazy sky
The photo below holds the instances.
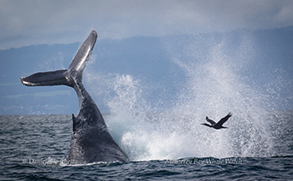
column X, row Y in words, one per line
column 27, row 22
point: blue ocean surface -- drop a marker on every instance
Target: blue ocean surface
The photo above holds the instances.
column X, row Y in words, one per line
column 34, row 147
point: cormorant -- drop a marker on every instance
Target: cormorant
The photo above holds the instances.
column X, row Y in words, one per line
column 219, row 124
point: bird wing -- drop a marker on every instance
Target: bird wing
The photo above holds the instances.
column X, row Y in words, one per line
column 210, row 121
column 224, row 119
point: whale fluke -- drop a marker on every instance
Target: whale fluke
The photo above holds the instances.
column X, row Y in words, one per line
column 90, row 140
column 218, row 125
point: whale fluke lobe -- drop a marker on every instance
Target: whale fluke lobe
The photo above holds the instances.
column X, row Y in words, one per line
column 46, row 78
column 82, row 56
column 90, row 140
column 218, row 125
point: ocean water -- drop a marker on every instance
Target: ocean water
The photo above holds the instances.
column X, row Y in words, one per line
column 35, row 146
column 162, row 134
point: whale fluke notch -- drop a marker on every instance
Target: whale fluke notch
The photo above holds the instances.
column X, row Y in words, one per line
column 218, row 125
column 90, row 139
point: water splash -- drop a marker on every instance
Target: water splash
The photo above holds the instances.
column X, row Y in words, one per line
column 215, row 87
column 215, row 83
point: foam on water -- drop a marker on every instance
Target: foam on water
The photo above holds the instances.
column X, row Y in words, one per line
column 214, row 86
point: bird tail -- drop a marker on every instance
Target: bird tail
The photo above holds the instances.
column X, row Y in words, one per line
column 206, row 124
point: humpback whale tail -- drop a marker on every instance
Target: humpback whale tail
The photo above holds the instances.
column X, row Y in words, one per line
column 90, row 140
column 65, row 77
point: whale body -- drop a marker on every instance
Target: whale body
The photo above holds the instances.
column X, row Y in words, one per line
column 90, row 139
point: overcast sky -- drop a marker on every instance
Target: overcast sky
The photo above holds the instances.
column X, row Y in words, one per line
column 27, row 22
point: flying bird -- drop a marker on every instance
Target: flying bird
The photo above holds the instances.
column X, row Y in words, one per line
column 219, row 124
